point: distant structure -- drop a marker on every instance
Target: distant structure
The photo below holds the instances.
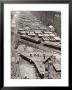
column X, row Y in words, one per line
column 50, row 18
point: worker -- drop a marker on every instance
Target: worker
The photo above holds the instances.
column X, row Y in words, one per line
column 31, row 55
column 44, row 56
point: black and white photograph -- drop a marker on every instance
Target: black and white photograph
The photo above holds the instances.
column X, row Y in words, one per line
column 35, row 45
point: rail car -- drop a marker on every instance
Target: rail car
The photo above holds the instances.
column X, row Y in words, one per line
column 31, row 39
column 52, row 46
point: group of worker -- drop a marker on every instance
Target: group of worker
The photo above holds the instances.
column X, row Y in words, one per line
column 37, row 55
